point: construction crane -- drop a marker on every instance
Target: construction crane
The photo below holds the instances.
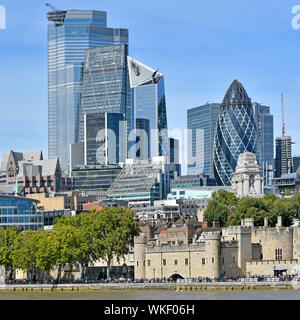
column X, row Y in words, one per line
column 282, row 111
column 51, row 7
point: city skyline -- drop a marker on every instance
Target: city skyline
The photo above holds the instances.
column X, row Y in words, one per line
column 24, row 63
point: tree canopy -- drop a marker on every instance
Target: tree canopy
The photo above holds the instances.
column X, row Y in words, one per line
column 230, row 210
column 75, row 241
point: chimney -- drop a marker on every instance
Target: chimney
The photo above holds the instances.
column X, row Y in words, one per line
column 204, row 224
column 216, row 223
column 279, row 221
column 266, row 222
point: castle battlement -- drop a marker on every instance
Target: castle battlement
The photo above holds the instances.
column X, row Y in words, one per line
column 212, row 235
column 198, row 246
column 141, row 239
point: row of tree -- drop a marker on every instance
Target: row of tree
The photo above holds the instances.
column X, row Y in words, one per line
column 230, row 210
column 77, row 241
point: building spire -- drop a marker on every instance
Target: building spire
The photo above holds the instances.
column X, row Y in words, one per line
column 17, row 186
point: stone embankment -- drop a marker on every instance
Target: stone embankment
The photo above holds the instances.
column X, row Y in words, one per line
column 163, row 286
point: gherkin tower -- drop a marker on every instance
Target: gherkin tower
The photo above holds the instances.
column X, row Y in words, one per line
column 236, row 133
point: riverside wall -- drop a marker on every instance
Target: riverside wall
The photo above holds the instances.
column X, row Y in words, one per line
column 158, row 286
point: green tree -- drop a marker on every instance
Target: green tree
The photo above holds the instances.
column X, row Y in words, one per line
column 226, row 198
column 87, row 251
column 217, row 210
column 117, row 230
column 24, row 253
column 287, row 209
column 46, row 252
column 7, row 240
column 250, row 208
column 65, row 243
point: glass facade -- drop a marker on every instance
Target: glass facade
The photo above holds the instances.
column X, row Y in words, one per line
column 105, row 83
column 266, row 132
column 296, row 163
column 104, row 138
column 201, row 124
column 70, row 33
column 149, row 102
column 95, row 180
column 20, row 212
column 283, row 157
column 236, row 133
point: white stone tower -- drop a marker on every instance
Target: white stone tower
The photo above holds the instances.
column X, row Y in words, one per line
column 247, row 179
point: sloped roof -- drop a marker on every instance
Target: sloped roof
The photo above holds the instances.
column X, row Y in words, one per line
column 140, row 74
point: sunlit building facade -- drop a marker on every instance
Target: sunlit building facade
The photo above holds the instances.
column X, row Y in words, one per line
column 201, row 125
column 149, row 102
column 70, row 33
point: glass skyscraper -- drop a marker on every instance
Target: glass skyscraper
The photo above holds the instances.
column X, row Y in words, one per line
column 201, row 124
column 70, row 33
column 149, row 102
column 283, row 157
column 105, row 85
column 236, row 133
column 265, row 124
column 104, row 141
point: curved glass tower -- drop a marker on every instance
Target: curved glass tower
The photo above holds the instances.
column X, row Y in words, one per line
column 236, row 133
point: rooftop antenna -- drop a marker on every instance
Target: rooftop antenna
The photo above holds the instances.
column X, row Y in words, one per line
column 282, row 111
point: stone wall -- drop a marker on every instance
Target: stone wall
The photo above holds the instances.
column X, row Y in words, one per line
column 266, row 267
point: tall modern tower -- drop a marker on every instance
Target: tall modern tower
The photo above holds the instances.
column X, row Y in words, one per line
column 283, row 158
column 201, row 124
column 70, row 33
column 236, row 133
column 265, row 124
column 105, row 85
column 149, row 102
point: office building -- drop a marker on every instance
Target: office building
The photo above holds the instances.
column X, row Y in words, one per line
column 236, row 133
column 265, row 123
column 283, row 157
column 149, row 102
column 174, row 155
column 71, row 200
column 201, row 125
column 142, row 136
column 95, row 180
column 105, row 85
column 142, row 181
column 21, row 212
column 296, row 163
column 70, row 33
column 104, row 138
column 288, row 184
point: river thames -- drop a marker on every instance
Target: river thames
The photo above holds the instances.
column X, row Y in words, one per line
column 149, row 294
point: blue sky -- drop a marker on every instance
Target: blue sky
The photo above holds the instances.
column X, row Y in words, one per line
column 200, row 46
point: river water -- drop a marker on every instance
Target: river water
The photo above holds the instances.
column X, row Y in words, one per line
column 149, row 294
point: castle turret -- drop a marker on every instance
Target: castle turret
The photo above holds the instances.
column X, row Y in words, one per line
column 139, row 256
column 212, row 248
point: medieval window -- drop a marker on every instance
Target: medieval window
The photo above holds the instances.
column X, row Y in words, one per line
column 148, row 263
column 223, row 260
column 212, row 260
column 203, row 260
column 186, row 261
column 137, row 263
column 233, row 259
column 175, row 262
column 278, row 254
column 164, row 262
